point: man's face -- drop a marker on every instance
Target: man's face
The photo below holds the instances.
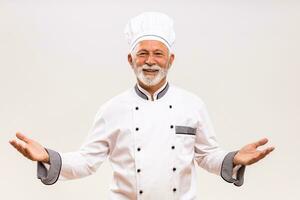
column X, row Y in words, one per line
column 150, row 61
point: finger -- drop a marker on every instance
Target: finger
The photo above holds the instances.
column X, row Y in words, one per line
column 260, row 142
column 22, row 149
column 268, row 150
column 264, row 153
column 13, row 143
column 22, row 137
column 19, row 146
column 257, row 158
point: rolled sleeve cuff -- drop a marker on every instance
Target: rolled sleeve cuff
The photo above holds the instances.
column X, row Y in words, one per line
column 50, row 176
column 230, row 173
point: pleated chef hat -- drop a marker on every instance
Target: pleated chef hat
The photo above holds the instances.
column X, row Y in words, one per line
column 150, row 26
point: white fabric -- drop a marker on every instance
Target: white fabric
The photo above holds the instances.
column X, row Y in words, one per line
column 150, row 26
column 114, row 136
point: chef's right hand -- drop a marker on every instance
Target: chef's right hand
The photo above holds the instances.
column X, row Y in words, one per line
column 30, row 148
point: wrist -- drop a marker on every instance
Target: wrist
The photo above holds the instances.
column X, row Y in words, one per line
column 46, row 160
column 47, row 157
column 235, row 160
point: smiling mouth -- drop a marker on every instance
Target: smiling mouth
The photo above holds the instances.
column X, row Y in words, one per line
column 150, row 70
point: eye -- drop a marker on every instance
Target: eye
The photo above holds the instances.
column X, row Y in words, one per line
column 142, row 54
column 158, row 54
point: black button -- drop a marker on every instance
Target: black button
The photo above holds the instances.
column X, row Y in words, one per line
column 174, row 169
column 138, row 148
column 174, row 189
column 173, row 147
column 136, row 108
column 171, row 126
column 141, row 191
column 170, row 106
column 136, row 128
column 138, row 170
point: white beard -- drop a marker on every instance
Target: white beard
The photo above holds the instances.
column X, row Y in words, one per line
column 149, row 80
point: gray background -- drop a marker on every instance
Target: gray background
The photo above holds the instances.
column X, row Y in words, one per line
column 60, row 60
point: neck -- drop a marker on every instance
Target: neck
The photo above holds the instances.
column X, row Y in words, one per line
column 154, row 88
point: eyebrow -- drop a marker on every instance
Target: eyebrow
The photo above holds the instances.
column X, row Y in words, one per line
column 141, row 50
column 156, row 50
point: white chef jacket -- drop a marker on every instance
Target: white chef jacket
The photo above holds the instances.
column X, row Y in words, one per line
column 152, row 145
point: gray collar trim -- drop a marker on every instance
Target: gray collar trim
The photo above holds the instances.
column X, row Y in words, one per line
column 140, row 93
column 144, row 96
column 163, row 92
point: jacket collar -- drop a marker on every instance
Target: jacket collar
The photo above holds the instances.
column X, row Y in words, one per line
column 141, row 92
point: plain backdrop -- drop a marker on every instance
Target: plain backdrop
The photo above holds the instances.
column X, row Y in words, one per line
column 60, row 60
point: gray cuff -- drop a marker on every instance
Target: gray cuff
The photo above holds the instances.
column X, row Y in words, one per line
column 227, row 170
column 49, row 177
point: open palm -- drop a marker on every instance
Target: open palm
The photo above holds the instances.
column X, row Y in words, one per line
column 30, row 148
column 249, row 154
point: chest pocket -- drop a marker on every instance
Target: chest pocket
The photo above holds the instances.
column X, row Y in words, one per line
column 185, row 130
column 185, row 139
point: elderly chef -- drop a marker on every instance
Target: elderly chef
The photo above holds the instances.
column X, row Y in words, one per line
column 153, row 134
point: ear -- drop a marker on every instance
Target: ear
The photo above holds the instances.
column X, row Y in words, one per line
column 172, row 57
column 129, row 58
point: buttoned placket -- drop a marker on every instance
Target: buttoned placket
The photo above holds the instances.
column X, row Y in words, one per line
column 138, row 133
column 174, row 187
column 137, row 149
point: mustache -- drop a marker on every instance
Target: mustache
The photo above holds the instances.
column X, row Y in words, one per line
column 153, row 67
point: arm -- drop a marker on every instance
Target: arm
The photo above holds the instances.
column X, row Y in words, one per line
column 220, row 162
column 230, row 165
column 208, row 154
column 90, row 156
column 53, row 166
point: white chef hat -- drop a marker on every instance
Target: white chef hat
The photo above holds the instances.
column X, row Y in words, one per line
column 150, row 26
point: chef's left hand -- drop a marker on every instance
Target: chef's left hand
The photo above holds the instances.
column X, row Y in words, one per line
column 249, row 154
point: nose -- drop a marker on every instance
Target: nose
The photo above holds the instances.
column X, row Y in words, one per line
column 150, row 60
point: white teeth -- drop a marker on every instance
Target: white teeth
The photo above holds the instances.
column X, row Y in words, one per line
column 149, row 70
